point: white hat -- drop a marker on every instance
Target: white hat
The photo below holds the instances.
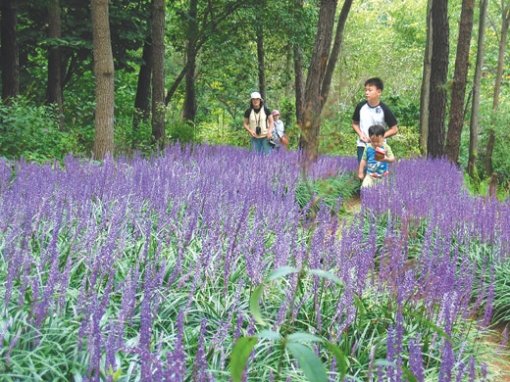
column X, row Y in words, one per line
column 256, row 95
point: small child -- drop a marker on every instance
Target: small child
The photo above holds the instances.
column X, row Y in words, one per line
column 376, row 158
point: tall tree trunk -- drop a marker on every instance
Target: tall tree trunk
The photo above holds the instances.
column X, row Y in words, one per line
column 505, row 23
column 54, row 92
column 299, row 82
column 438, row 76
column 459, row 81
column 259, row 30
column 143, row 87
column 335, row 51
column 104, row 73
column 158, row 72
column 320, row 73
column 9, row 49
column 190, row 102
column 425, row 83
column 475, row 108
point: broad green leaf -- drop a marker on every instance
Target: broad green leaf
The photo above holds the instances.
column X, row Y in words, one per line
column 282, row 272
column 327, row 275
column 303, row 337
column 240, row 353
column 308, row 361
column 269, row 335
column 342, row 361
column 254, row 304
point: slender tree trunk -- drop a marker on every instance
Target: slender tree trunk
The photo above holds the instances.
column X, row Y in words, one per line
column 104, row 73
column 505, row 23
column 190, row 102
column 425, row 83
column 175, row 85
column 158, row 72
column 9, row 49
column 143, row 88
column 438, row 77
column 299, row 82
column 459, row 81
column 313, row 89
column 333, row 58
column 54, row 93
column 475, row 108
column 260, row 58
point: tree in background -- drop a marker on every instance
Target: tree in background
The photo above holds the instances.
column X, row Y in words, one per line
column 425, row 84
column 505, row 23
column 54, row 92
column 143, row 87
column 438, row 77
column 104, row 76
column 459, row 81
column 9, row 49
column 190, row 101
column 475, row 108
column 158, row 72
column 320, row 73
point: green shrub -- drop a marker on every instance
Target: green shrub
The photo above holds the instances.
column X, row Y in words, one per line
column 31, row 132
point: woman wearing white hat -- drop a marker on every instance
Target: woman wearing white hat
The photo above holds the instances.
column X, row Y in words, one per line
column 258, row 121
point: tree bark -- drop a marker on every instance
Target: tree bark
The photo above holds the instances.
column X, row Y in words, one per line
column 299, row 82
column 158, row 72
column 260, row 58
column 505, row 23
column 9, row 49
column 143, row 87
column 190, row 102
column 425, row 83
column 333, row 58
column 475, row 108
column 459, row 81
column 54, row 92
column 104, row 74
column 320, row 74
column 438, row 77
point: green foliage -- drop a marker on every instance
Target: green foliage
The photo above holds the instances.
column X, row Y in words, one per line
column 329, row 192
column 31, row 132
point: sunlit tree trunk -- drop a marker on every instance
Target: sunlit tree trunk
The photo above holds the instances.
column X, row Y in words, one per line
column 438, row 77
column 505, row 23
column 9, row 49
column 459, row 82
column 104, row 74
column 425, row 83
column 190, row 102
column 158, row 72
column 54, row 86
column 475, row 108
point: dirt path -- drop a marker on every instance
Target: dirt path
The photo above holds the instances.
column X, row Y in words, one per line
column 499, row 360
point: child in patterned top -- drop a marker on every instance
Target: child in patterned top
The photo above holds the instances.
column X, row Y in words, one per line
column 374, row 164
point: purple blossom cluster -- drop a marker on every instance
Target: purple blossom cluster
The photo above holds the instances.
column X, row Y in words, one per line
column 155, row 258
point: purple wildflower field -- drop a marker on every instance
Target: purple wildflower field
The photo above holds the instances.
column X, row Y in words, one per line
column 142, row 269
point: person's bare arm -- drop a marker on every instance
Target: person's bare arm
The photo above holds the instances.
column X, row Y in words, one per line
column 270, row 127
column 393, row 130
column 246, row 125
column 361, row 169
column 357, row 129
